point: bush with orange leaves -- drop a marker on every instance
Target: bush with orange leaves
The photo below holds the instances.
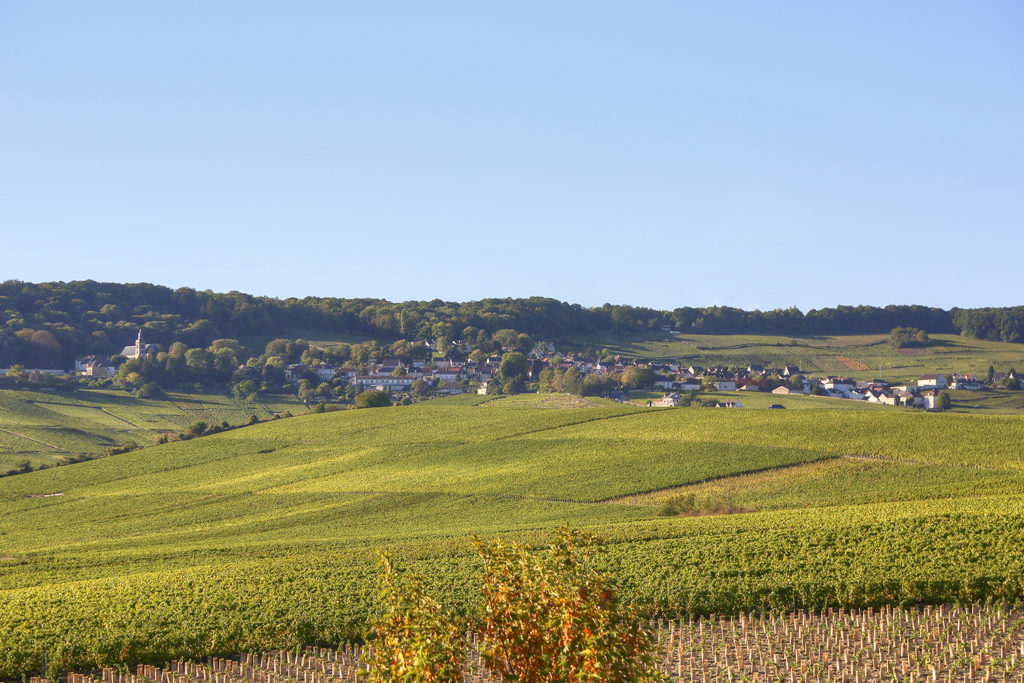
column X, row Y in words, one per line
column 549, row 618
column 552, row 618
column 418, row 641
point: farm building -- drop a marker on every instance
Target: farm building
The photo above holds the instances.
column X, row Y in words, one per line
column 931, row 381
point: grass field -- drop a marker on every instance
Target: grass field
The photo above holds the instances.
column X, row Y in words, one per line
column 266, row 536
column 49, row 427
column 857, row 356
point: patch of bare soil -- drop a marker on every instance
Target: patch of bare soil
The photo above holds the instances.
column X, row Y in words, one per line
column 852, row 364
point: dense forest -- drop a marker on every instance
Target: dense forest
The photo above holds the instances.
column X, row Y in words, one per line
column 49, row 324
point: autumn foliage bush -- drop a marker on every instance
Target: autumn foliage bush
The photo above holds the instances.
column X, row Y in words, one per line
column 417, row 639
column 549, row 617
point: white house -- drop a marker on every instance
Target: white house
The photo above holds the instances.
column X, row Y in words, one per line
column 931, row 382
column 726, row 385
column 838, row 386
column 325, row 372
column 880, row 396
column 449, row 374
column 383, row 382
column 929, row 398
column 667, row 401
column 729, row 404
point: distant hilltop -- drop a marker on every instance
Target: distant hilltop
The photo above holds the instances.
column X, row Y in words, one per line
column 71, row 319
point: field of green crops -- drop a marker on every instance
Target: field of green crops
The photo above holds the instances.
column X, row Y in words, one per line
column 857, row 356
column 51, row 427
column 266, row 536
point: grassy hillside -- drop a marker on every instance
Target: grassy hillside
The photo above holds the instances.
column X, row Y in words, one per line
column 265, row 536
column 50, row 427
column 857, row 356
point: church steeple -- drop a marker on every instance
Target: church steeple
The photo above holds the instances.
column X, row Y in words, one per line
column 138, row 344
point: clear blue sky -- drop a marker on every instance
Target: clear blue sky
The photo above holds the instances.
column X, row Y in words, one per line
column 751, row 154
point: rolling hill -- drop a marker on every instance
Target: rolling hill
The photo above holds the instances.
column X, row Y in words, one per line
column 861, row 356
column 267, row 535
column 48, row 427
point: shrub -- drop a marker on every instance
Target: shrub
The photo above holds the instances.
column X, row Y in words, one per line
column 688, row 504
column 196, row 429
column 550, row 617
column 901, row 337
column 417, row 639
column 373, row 399
column 124, row 447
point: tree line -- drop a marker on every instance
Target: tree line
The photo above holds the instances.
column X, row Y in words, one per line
column 49, row 324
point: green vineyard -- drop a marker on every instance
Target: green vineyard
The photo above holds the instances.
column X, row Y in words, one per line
column 266, row 537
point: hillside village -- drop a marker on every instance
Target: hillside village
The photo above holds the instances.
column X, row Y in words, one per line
column 448, row 377
column 444, row 376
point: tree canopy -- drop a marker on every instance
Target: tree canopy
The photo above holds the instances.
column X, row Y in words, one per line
column 49, row 324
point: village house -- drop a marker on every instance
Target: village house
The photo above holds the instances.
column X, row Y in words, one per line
column 389, row 365
column 294, row 372
column 929, row 398
column 840, row 387
column 324, row 372
column 388, row 383
column 726, row 385
column 667, row 401
column 881, row 396
column 966, row 382
column 95, row 366
column 931, row 382
column 449, row 374
column 729, row 404
column 664, row 383
column 448, row 388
